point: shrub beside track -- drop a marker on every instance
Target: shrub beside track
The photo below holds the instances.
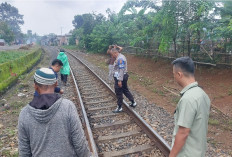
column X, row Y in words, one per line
column 11, row 70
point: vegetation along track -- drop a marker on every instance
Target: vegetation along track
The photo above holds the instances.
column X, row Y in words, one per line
column 109, row 134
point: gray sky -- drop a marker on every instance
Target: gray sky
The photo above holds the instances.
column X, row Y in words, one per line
column 48, row 16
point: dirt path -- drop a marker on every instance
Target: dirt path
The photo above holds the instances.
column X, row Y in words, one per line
column 153, row 79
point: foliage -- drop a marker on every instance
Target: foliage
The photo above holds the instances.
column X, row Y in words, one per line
column 10, row 15
column 176, row 26
column 6, row 33
column 78, row 21
column 18, row 66
column 6, row 56
column 71, row 47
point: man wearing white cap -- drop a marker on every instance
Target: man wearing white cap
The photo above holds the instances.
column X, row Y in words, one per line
column 50, row 125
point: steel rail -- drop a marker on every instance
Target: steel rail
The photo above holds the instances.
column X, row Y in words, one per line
column 153, row 135
column 90, row 138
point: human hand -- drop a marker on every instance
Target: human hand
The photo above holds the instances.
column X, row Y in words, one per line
column 61, row 91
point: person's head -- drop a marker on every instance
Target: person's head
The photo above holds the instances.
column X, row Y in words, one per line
column 183, row 70
column 45, row 81
column 62, row 50
column 56, row 65
column 114, row 52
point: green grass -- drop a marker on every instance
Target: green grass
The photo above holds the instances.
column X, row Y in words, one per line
column 212, row 141
column 133, row 76
column 154, row 90
column 18, row 104
column 213, row 122
column 230, row 91
column 11, row 132
column 7, row 153
column 230, row 122
column 141, row 65
column 71, row 47
column 176, row 100
column 146, row 82
column 6, row 56
column 102, row 65
column 159, row 92
column 19, row 66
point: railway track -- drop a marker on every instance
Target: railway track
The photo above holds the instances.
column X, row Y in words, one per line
column 109, row 134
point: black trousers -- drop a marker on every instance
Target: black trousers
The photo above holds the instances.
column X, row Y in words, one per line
column 64, row 78
column 123, row 90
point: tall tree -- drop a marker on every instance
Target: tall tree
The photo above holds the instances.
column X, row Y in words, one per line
column 10, row 15
column 78, row 21
column 224, row 28
column 6, row 33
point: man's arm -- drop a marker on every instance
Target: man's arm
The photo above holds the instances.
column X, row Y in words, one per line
column 180, row 139
column 119, row 49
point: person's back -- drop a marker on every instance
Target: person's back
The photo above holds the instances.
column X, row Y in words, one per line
column 199, row 102
column 191, row 114
column 49, row 125
column 64, row 59
column 65, row 70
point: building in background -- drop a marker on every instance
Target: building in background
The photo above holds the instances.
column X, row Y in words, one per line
column 55, row 40
column 63, row 39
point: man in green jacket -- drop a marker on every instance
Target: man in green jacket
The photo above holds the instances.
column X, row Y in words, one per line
column 65, row 70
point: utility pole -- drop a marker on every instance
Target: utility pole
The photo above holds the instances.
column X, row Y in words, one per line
column 61, row 30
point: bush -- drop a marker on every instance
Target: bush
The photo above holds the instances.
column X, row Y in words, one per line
column 71, row 47
column 11, row 70
column 6, row 56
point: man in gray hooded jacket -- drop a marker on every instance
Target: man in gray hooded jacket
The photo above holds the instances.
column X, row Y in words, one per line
column 49, row 126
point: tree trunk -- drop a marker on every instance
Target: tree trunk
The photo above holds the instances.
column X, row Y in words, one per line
column 188, row 44
column 183, row 46
column 212, row 51
column 198, row 40
column 174, row 41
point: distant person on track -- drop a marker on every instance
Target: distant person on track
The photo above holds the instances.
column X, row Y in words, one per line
column 49, row 125
column 56, row 66
column 191, row 114
column 65, row 70
column 121, row 78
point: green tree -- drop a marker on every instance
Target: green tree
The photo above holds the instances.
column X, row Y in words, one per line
column 224, row 26
column 6, row 33
column 10, row 15
column 175, row 26
column 167, row 22
column 199, row 15
column 78, row 21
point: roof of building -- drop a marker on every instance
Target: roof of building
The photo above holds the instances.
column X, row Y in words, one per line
column 2, row 40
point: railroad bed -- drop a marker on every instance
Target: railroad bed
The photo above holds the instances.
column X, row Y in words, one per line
column 109, row 134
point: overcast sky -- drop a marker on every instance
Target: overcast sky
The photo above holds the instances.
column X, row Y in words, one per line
column 48, row 16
